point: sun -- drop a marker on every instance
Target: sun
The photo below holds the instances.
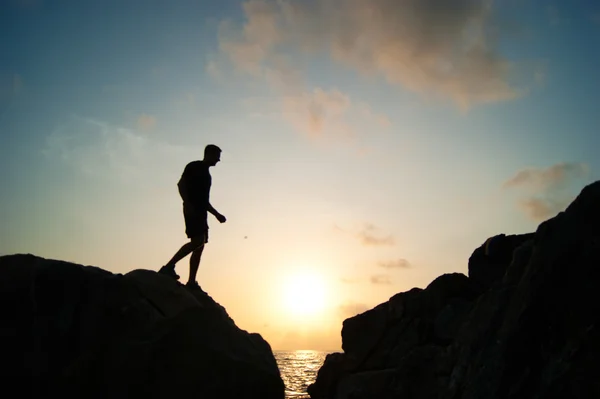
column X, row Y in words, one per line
column 304, row 294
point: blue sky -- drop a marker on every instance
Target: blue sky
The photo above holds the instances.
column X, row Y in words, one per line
column 355, row 134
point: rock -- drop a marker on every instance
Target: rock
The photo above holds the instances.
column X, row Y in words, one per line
column 542, row 333
column 450, row 319
column 78, row 331
column 524, row 324
column 329, row 375
column 415, row 376
column 489, row 262
column 377, row 341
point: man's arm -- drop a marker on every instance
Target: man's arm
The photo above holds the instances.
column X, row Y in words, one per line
column 183, row 191
column 215, row 213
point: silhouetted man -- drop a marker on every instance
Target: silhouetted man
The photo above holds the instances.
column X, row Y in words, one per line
column 194, row 188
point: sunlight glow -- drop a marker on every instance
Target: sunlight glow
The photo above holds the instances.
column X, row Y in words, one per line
column 304, row 294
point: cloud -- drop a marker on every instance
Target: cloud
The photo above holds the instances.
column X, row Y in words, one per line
column 317, row 111
column 368, row 237
column 255, row 50
column 548, row 191
column 146, row 122
column 213, row 70
column 103, row 151
column 352, row 309
column 381, row 279
column 434, row 48
column 394, row 264
column 349, row 280
column 542, row 209
column 544, row 179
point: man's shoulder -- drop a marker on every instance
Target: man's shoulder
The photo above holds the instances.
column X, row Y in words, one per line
column 195, row 166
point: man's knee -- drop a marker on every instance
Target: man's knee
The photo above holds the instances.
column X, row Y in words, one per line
column 197, row 243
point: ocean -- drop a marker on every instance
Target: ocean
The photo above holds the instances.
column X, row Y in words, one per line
column 298, row 370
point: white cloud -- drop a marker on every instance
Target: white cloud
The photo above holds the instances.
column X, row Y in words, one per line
column 252, row 51
column 436, row 48
column 100, row 150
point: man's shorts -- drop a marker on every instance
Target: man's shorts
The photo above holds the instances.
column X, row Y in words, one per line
column 196, row 223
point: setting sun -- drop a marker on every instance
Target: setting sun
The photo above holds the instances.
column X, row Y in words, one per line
column 304, row 294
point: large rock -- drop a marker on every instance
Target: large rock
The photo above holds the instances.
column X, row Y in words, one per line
column 524, row 324
column 385, row 348
column 489, row 262
column 75, row 331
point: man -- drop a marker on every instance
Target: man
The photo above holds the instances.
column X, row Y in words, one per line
column 194, row 188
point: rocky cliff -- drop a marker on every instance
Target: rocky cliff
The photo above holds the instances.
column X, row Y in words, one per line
column 78, row 331
column 525, row 323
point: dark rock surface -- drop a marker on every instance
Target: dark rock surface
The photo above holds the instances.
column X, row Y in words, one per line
column 79, row 331
column 489, row 262
column 524, row 324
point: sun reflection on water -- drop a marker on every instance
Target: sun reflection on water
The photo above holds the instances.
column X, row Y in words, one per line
column 299, row 370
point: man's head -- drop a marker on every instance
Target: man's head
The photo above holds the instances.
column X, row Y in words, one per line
column 212, row 154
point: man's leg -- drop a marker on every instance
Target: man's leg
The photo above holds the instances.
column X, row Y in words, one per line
column 195, row 263
column 184, row 251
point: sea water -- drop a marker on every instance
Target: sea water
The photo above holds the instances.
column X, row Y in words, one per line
column 298, row 370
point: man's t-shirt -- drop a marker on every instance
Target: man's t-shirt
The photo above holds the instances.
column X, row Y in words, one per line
column 194, row 185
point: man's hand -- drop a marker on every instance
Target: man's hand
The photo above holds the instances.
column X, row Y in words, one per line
column 221, row 218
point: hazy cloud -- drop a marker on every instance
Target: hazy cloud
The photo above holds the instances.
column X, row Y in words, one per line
column 544, row 179
column 349, row 280
column 369, row 236
column 146, row 122
column 101, row 150
column 394, row 264
column 213, row 70
column 547, row 191
column 542, row 209
column 381, row 279
column 352, row 309
column 266, row 48
column 436, row 48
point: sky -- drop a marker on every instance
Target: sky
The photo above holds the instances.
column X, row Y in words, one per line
column 368, row 146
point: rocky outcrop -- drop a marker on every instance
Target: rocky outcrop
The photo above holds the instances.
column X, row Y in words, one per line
column 524, row 324
column 79, row 331
column 489, row 262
